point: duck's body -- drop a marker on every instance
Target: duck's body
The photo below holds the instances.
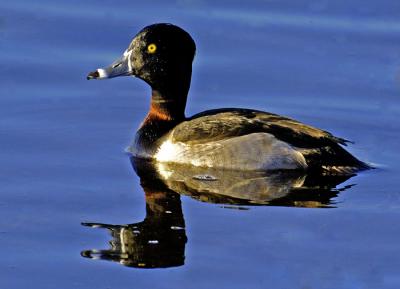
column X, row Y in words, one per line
column 244, row 139
column 240, row 139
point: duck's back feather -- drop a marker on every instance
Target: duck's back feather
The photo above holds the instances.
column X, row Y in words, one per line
column 220, row 124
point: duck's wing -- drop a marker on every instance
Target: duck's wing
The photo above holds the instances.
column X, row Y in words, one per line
column 214, row 125
column 319, row 147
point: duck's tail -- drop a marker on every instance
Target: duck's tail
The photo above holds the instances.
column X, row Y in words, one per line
column 335, row 160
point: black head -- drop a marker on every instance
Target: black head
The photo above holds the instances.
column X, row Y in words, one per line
column 160, row 54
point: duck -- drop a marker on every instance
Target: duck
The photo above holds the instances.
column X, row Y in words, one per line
column 228, row 138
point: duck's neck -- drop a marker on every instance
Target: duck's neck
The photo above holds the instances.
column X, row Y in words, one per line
column 167, row 109
column 169, row 94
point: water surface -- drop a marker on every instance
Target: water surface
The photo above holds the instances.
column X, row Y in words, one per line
column 333, row 64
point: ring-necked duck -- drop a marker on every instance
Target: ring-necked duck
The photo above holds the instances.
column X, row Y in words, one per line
column 245, row 139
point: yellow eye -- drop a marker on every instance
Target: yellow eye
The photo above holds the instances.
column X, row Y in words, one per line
column 151, row 48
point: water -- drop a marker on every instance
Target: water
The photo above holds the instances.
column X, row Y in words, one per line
column 332, row 64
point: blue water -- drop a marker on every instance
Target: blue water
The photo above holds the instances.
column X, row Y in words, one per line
column 332, row 64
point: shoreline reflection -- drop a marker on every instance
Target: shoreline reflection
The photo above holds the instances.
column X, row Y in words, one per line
column 159, row 240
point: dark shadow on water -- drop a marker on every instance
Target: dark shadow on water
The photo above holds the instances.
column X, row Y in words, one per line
column 159, row 240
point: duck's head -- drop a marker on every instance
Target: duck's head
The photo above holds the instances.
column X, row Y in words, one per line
column 160, row 54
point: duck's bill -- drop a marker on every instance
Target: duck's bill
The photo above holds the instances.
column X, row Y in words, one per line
column 120, row 67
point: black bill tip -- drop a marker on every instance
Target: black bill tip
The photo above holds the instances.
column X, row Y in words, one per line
column 93, row 75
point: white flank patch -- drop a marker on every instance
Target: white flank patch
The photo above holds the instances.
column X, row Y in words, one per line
column 257, row 151
column 169, row 151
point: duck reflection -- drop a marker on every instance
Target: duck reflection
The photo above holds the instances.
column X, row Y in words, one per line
column 159, row 240
column 156, row 242
column 249, row 188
